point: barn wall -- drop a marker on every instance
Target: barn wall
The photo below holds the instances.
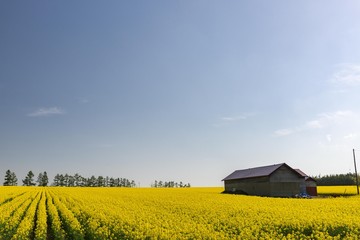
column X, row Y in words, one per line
column 284, row 174
column 312, row 191
column 311, row 188
column 286, row 182
column 285, row 189
column 311, row 184
column 253, row 186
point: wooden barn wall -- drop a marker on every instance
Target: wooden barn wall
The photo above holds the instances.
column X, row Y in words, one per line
column 285, row 189
column 252, row 186
column 285, row 182
column 311, row 184
column 284, row 174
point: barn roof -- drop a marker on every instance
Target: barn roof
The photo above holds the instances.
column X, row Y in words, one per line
column 257, row 172
column 307, row 178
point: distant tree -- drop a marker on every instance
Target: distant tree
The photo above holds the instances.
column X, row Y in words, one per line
column 56, row 180
column 107, row 181
column 62, row 180
column 169, row 184
column 77, row 180
column 7, row 179
column 39, row 179
column 29, row 181
column 112, row 182
column 91, row 181
column 13, row 179
column 10, row 179
column 83, row 182
column 45, row 179
column 42, row 179
column 66, row 180
column 336, row 179
column 100, row 182
column 127, row 183
column 71, row 181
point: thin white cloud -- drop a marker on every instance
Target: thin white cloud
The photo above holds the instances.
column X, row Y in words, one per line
column 329, row 137
column 326, row 119
column 314, row 124
column 230, row 119
column 348, row 74
column 44, row 112
column 323, row 120
column 240, row 117
column 284, row 132
column 351, row 136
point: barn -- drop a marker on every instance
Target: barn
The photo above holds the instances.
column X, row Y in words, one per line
column 279, row 180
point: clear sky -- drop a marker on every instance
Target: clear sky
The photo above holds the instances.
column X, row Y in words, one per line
column 178, row 90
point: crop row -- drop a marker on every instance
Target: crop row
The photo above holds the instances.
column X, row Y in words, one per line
column 195, row 213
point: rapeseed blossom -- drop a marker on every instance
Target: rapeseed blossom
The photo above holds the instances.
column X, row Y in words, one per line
column 192, row 213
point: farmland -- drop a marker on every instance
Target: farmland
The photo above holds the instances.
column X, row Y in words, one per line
column 193, row 213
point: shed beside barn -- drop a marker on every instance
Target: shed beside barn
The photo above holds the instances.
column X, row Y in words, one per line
column 310, row 183
column 279, row 180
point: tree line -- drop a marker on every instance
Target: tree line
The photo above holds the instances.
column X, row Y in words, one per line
column 169, row 184
column 67, row 180
column 336, row 179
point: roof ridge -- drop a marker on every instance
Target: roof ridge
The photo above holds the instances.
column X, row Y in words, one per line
column 261, row 171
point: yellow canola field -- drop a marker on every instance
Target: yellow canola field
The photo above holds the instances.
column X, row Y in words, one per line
column 190, row 213
column 337, row 190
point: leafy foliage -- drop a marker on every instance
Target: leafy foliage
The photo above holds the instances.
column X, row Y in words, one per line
column 10, row 179
column 336, row 180
column 169, row 184
column 43, row 179
column 29, row 179
column 61, row 180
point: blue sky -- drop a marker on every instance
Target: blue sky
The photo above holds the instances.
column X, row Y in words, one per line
column 178, row 90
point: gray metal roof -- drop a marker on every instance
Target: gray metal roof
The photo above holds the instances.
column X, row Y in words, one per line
column 301, row 172
column 255, row 172
column 307, row 178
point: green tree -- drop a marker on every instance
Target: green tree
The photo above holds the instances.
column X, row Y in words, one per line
column 39, row 179
column 29, row 181
column 91, row 181
column 77, row 180
column 100, row 181
column 62, row 181
column 13, row 179
column 10, row 179
column 44, row 179
column 112, row 182
column 56, row 180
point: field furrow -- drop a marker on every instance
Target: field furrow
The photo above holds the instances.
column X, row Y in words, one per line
column 53, row 220
column 13, row 215
column 25, row 229
column 41, row 219
column 196, row 213
column 71, row 225
column 95, row 226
